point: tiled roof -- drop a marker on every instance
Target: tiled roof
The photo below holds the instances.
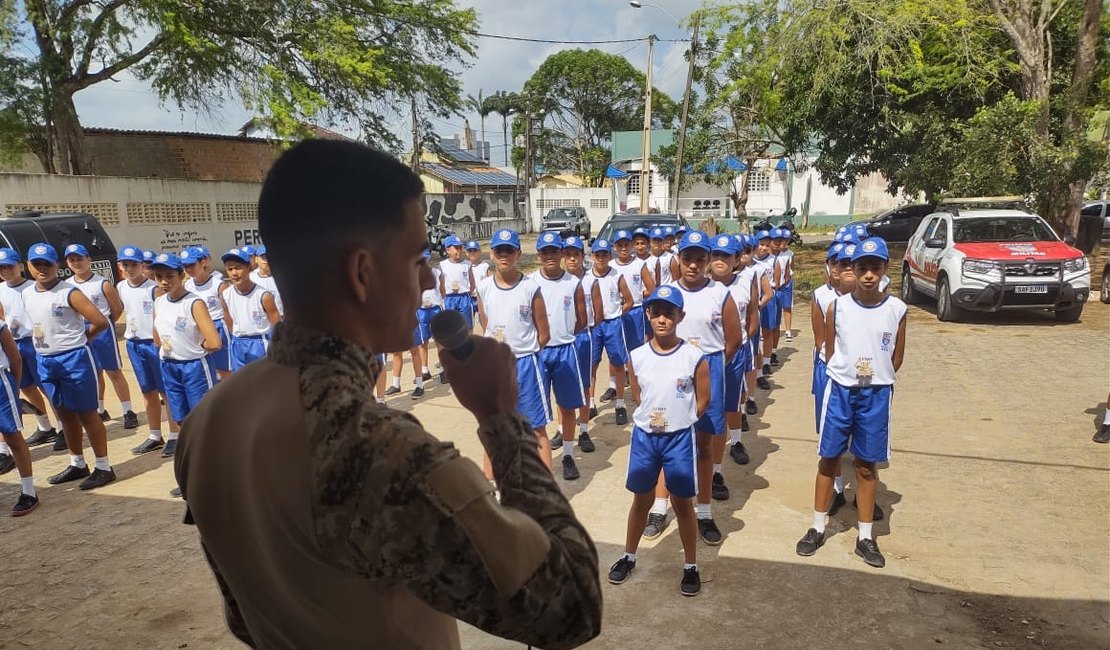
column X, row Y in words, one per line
column 472, row 176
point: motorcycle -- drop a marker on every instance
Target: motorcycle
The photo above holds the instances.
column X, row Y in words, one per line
column 436, row 236
column 787, row 223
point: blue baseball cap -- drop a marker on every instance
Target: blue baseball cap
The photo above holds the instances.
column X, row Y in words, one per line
column 838, row 237
column 574, row 242
column 549, row 239
column 862, row 232
column 148, row 256
column 76, row 249
column 640, row 232
column 249, row 250
column 260, row 250
column 9, row 257
column 848, row 238
column 473, row 246
column 841, row 230
column 846, row 252
column 452, row 240
column 168, row 261
column 834, row 251
column 763, row 234
column 42, row 251
column 680, row 229
column 236, row 254
column 601, row 246
column 724, row 244
column 189, row 256
column 505, row 237
column 201, row 251
column 667, row 294
column 427, row 253
column 621, row 235
column 658, row 233
column 872, row 247
column 129, row 254
column 668, row 231
column 778, row 233
column 694, row 239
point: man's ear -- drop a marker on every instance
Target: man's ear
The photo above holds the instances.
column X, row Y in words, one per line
column 359, row 271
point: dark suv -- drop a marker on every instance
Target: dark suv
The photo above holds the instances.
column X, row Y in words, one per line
column 60, row 229
column 633, row 220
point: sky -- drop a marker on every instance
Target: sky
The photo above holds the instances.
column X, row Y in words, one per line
column 128, row 103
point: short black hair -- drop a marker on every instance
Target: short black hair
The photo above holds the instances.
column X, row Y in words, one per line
column 321, row 194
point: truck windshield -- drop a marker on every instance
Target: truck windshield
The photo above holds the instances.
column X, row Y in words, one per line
column 994, row 229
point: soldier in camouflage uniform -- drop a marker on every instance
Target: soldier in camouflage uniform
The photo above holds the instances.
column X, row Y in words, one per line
column 331, row 521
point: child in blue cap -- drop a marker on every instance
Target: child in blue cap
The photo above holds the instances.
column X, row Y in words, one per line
column 457, row 281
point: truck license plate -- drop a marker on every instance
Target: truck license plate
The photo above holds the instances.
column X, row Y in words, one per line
column 1031, row 288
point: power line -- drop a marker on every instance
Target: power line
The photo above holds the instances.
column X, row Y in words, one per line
column 557, row 42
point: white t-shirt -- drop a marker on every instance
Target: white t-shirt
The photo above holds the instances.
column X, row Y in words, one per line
column 15, row 312
column 138, row 304
column 430, row 297
column 56, row 327
column 611, row 299
column 741, row 291
column 481, row 272
column 509, row 317
column 177, row 329
column 93, row 288
column 703, row 325
column 558, row 297
column 667, row 397
column 588, row 280
column 209, row 293
column 456, row 277
column 822, row 298
column 865, row 337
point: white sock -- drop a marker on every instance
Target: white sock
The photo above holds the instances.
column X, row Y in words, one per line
column 686, row 566
column 396, row 382
column 155, row 434
column 716, row 468
column 381, row 400
column 102, row 463
column 593, row 404
column 125, row 405
column 583, row 428
column 5, row 449
column 172, row 435
column 819, row 521
column 568, row 448
column 43, row 422
column 419, row 381
column 424, row 370
column 620, row 403
column 630, row 556
column 838, row 484
column 734, row 435
column 1106, row 418
column 27, row 483
column 100, row 406
column 613, row 383
column 659, row 507
column 704, row 511
column 77, row 461
column 864, row 530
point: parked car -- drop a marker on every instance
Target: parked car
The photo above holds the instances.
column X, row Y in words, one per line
column 60, row 229
column 898, row 224
column 633, row 220
column 992, row 259
column 567, row 221
column 1104, row 295
column 1100, row 209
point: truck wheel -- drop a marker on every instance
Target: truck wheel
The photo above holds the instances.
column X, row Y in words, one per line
column 1104, row 295
column 946, row 310
column 909, row 292
column 1069, row 315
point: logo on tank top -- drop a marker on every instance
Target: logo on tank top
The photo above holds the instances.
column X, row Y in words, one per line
column 888, row 338
column 256, row 316
column 213, row 302
column 683, row 386
column 715, row 320
column 148, row 307
column 180, row 324
column 525, row 313
column 568, row 301
column 58, row 311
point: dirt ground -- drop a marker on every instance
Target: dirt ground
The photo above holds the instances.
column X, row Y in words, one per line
column 996, row 531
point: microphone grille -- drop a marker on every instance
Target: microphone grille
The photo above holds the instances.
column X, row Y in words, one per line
column 449, row 329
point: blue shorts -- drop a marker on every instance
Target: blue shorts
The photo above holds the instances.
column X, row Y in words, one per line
column 11, row 417
column 423, row 332
column 770, row 315
column 584, row 346
column 245, row 349
column 187, row 382
column 563, row 373
column 221, row 359
column 734, row 378
column 462, row 303
column 30, row 358
column 820, row 380
column 754, row 342
column 860, row 415
column 609, row 335
column 105, row 351
column 531, row 401
column 785, row 296
column 713, row 420
column 69, row 379
column 633, row 323
column 673, row 453
column 146, row 364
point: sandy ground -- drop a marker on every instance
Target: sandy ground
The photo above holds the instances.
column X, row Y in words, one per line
column 996, row 532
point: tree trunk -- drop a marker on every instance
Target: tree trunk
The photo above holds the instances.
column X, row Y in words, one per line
column 505, row 135
column 1087, row 45
column 69, row 137
column 740, row 199
column 483, row 147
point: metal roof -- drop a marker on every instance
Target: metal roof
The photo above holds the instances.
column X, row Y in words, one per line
column 472, row 176
column 454, row 152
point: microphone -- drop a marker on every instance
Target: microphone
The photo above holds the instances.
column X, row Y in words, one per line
column 449, row 330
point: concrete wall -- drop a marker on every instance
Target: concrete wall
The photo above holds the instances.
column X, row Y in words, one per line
column 598, row 201
column 475, row 216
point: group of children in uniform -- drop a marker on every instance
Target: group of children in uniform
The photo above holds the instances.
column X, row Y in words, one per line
column 58, row 337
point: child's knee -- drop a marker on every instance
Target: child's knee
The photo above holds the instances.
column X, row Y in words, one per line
column 828, row 466
column 865, row 470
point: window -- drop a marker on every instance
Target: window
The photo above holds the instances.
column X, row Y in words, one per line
column 600, row 204
column 759, row 181
column 999, row 229
column 634, row 183
column 1093, row 210
column 929, row 228
column 547, row 204
column 942, row 230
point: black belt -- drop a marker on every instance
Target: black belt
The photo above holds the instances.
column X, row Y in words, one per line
column 249, row 336
column 140, row 340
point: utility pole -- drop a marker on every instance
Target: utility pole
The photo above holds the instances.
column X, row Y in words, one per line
column 685, row 113
column 415, row 162
column 529, row 168
column 645, row 168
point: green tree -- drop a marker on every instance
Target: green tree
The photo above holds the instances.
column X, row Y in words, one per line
column 290, row 61
column 504, row 104
column 482, row 107
column 583, row 96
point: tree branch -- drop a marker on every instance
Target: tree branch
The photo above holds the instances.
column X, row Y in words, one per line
column 70, row 9
column 94, row 33
column 87, row 80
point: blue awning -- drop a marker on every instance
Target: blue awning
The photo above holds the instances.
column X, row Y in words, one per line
column 782, row 165
column 613, row 172
column 729, row 163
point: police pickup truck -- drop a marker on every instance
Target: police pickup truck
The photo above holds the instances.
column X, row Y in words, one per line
column 60, row 229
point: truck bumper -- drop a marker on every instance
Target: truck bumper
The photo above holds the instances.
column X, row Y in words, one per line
column 998, row 296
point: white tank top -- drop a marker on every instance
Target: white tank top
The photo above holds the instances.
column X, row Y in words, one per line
column 822, row 298
column 633, row 277
column 93, row 288
column 767, row 265
column 481, row 272
column 864, row 354
column 5, row 365
column 248, row 316
column 269, row 284
column 15, row 312
column 177, row 329
column 667, row 399
column 703, row 327
column 138, row 304
column 558, row 297
column 741, row 291
column 456, row 276
column 588, row 280
column 509, row 317
column 209, row 293
column 55, row 326
column 430, row 297
column 611, row 300
column 665, row 268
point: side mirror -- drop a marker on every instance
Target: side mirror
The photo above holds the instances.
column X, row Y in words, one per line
column 591, row 241
column 1069, row 240
column 935, row 242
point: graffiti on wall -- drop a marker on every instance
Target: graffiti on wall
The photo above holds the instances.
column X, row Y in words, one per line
column 448, row 209
column 174, row 239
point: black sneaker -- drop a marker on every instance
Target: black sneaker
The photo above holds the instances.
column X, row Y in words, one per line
column 709, row 532
column 148, row 446
column 570, row 470
column 60, row 442
column 42, row 437
column 775, row 359
column 876, row 513
column 585, row 443
column 766, row 369
column 593, row 412
column 70, row 473
column 7, row 463
column 720, row 490
column 130, row 420
column 744, row 427
column 104, row 415
column 810, row 542
column 99, row 478
column 656, row 524
column 763, row 383
column 1103, row 434
column 751, row 407
column 557, row 440
column 869, row 551
column 838, row 501
column 739, row 454
column 176, row 493
column 392, row 390
column 622, row 415
column 170, row 448
column 25, row 505
column 443, row 378
column 426, row 376
column 609, row 395
column 418, row 392
column 691, row 582
column 621, row 570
